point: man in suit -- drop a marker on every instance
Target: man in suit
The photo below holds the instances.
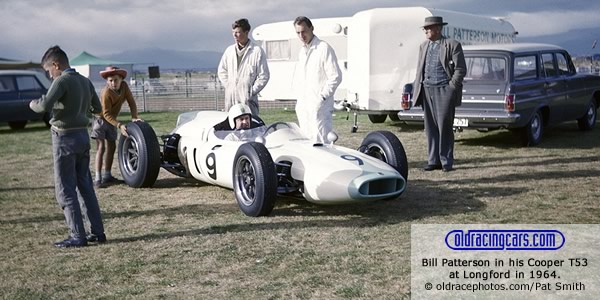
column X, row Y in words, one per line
column 438, row 89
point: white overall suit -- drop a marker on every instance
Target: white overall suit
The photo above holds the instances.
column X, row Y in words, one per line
column 316, row 78
column 243, row 83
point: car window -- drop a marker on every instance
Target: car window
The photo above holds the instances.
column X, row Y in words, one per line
column 485, row 68
column 563, row 65
column 28, row 83
column 548, row 62
column 525, row 67
column 7, row 84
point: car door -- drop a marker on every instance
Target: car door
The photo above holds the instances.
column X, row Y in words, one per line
column 10, row 104
column 577, row 94
column 29, row 88
column 554, row 88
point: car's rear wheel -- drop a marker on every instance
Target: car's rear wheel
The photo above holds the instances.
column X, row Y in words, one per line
column 588, row 121
column 531, row 134
column 386, row 147
column 375, row 119
column 17, row 124
column 47, row 118
column 254, row 180
column 139, row 155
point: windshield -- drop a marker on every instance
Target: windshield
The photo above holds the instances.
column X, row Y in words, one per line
column 289, row 130
column 240, row 135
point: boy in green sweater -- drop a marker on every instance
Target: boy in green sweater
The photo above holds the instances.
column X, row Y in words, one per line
column 72, row 100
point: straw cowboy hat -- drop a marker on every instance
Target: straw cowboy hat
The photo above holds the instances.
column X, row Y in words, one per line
column 434, row 20
column 110, row 71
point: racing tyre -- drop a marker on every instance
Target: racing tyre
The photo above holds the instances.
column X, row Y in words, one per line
column 531, row 134
column 375, row 119
column 588, row 121
column 139, row 155
column 254, row 180
column 386, row 147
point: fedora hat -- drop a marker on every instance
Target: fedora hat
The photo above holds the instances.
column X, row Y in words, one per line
column 110, row 71
column 434, row 20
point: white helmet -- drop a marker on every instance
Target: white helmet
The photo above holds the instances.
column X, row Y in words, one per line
column 237, row 110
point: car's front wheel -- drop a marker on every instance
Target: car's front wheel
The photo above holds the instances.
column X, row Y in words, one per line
column 386, row 147
column 588, row 121
column 139, row 155
column 254, row 180
column 531, row 134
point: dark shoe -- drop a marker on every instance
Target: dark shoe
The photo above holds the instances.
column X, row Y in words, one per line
column 432, row 167
column 99, row 184
column 100, row 238
column 111, row 180
column 447, row 169
column 71, row 242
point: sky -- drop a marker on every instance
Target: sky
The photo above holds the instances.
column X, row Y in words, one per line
column 104, row 27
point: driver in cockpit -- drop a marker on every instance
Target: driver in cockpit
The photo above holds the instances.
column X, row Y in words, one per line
column 240, row 120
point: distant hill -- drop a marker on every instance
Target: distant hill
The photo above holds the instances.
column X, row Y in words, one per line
column 168, row 59
column 577, row 42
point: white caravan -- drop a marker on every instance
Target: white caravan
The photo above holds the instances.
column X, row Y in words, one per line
column 377, row 51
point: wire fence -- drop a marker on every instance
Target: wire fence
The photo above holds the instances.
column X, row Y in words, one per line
column 183, row 93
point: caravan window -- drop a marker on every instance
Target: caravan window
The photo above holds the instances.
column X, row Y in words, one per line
column 278, row 50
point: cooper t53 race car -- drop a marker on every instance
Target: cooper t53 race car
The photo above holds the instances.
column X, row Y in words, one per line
column 261, row 162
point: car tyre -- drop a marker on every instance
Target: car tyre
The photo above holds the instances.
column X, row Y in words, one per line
column 376, row 119
column 139, row 155
column 386, row 147
column 16, row 125
column 531, row 134
column 47, row 117
column 588, row 121
column 254, row 180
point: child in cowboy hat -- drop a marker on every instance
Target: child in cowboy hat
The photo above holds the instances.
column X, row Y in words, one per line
column 105, row 126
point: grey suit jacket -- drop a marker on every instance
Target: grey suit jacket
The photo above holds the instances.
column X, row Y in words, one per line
column 453, row 61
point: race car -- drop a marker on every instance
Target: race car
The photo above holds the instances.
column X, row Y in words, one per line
column 264, row 161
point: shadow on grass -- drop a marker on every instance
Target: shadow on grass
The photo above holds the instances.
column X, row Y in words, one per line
column 18, row 188
column 424, row 199
column 563, row 136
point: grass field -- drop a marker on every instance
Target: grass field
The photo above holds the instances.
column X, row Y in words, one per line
column 186, row 239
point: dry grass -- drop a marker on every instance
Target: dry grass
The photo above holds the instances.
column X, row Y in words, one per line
column 185, row 239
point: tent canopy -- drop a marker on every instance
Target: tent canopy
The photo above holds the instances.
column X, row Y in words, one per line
column 85, row 58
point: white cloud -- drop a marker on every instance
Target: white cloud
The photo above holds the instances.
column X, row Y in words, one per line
column 552, row 22
column 110, row 26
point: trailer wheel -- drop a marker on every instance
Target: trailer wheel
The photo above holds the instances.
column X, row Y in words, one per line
column 376, row 119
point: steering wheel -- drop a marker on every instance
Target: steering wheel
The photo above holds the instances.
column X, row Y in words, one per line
column 276, row 126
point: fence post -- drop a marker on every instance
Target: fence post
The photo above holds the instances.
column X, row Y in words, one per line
column 216, row 92
column 144, row 95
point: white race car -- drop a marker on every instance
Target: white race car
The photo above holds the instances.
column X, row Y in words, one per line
column 264, row 161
